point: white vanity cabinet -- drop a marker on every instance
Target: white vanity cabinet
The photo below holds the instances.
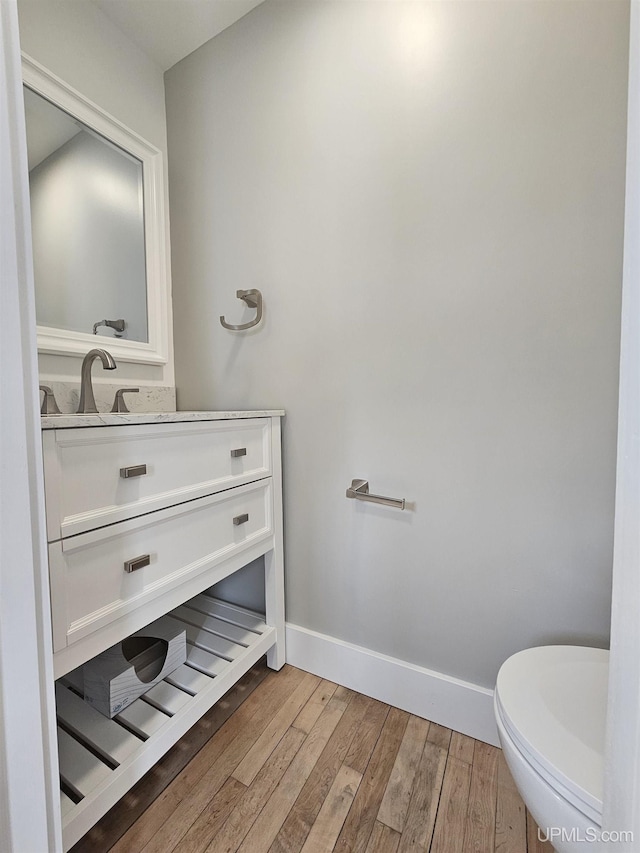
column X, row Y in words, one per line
column 143, row 518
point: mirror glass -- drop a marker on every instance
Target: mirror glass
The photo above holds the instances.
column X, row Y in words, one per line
column 87, row 216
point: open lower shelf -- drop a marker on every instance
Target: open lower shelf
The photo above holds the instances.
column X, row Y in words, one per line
column 100, row 759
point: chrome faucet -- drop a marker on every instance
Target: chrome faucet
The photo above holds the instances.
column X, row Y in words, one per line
column 49, row 405
column 87, row 400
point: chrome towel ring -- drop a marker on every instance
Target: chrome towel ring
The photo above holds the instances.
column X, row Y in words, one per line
column 253, row 298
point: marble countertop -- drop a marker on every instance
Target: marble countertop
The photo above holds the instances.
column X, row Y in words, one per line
column 117, row 419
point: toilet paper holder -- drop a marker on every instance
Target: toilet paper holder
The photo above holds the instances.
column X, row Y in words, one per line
column 359, row 490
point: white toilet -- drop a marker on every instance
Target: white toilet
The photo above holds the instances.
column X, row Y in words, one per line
column 550, row 705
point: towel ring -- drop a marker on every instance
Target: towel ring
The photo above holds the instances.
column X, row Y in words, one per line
column 253, row 298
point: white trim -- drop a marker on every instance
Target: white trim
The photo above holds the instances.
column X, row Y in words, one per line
column 274, row 559
column 622, row 756
column 451, row 702
column 29, row 787
column 64, row 342
column 57, row 341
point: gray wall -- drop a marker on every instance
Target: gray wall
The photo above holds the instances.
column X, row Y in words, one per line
column 430, row 196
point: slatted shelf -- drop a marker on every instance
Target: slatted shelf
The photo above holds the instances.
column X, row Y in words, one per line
column 204, row 661
column 228, row 613
column 167, row 698
column 188, row 679
column 86, row 724
column 225, row 630
column 80, row 770
column 219, row 646
column 100, row 759
column 142, row 718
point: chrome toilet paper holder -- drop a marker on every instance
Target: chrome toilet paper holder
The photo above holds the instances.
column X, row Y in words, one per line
column 359, row 490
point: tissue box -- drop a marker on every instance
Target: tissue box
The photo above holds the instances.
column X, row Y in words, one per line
column 117, row 677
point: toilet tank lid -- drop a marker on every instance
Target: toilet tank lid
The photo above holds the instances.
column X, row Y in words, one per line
column 553, row 700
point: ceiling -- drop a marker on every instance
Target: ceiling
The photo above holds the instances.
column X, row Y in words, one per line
column 169, row 30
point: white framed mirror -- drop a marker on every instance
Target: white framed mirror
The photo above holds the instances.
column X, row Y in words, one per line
column 98, row 226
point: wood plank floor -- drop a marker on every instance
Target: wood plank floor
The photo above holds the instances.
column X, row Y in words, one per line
column 287, row 762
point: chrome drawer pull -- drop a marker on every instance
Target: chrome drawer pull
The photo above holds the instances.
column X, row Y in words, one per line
column 240, row 519
column 137, row 563
column 133, row 471
column 241, row 451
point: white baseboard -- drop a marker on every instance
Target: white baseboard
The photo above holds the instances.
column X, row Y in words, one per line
column 458, row 705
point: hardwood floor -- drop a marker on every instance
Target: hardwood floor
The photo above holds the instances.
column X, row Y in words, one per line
column 287, row 762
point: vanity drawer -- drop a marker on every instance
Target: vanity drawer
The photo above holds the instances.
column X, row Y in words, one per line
column 104, row 475
column 91, row 586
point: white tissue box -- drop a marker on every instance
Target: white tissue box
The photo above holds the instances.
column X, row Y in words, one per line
column 119, row 676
